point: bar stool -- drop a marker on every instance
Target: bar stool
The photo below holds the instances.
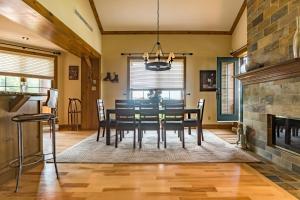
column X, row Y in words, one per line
column 41, row 117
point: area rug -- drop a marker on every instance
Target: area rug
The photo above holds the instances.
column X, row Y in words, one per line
column 213, row 149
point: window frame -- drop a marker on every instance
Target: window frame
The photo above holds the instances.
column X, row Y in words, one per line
column 129, row 58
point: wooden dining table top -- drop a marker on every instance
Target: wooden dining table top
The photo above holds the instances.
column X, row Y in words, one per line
column 186, row 110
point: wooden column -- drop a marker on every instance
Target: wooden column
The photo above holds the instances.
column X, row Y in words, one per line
column 90, row 91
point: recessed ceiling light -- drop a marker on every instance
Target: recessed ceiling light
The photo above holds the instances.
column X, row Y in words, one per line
column 25, row 38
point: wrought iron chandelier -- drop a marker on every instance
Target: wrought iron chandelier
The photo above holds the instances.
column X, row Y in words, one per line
column 159, row 62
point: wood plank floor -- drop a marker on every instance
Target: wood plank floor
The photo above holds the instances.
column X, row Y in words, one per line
column 224, row 181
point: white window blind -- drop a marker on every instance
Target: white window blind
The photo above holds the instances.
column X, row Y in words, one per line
column 26, row 65
column 140, row 78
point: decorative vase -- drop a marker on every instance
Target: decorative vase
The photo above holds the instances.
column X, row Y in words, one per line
column 296, row 42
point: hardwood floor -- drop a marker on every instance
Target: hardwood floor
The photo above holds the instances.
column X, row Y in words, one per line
column 224, row 181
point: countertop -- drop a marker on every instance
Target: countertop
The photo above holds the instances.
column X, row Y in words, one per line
column 4, row 93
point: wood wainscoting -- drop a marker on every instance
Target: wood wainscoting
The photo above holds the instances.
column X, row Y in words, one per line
column 33, row 137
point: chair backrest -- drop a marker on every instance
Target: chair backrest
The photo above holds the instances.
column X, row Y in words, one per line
column 100, row 109
column 52, row 98
column 149, row 111
column 125, row 111
column 201, row 104
column 123, row 103
column 174, row 110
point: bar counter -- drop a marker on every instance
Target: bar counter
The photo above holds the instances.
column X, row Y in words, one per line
column 11, row 104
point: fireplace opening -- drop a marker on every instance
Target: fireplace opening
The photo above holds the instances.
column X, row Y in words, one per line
column 284, row 132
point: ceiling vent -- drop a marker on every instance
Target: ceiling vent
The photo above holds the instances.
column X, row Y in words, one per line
column 83, row 20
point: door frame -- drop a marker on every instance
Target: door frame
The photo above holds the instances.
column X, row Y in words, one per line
column 227, row 117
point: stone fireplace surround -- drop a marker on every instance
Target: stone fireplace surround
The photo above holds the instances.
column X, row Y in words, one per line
column 271, row 90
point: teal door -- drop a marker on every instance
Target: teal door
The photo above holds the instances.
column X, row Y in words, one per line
column 227, row 89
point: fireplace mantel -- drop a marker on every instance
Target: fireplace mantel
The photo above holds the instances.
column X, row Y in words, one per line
column 288, row 69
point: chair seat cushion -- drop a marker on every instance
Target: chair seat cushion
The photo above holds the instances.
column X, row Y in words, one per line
column 190, row 122
column 173, row 125
column 126, row 125
column 149, row 125
column 33, row 117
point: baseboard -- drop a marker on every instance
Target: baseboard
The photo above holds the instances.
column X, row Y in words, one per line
column 218, row 126
column 66, row 127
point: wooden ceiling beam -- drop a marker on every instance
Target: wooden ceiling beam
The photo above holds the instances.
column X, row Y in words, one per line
column 34, row 16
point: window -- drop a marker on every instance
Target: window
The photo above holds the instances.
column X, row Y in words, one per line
column 17, row 64
column 34, row 85
column 38, row 72
column 170, row 83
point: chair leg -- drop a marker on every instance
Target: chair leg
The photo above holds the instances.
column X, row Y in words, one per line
column 141, row 139
column 180, row 135
column 121, row 136
column 162, row 134
column 98, row 134
column 134, row 138
column 190, row 131
column 158, row 138
column 54, row 147
column 103, row 131
column 165, row 138
column 183, row 143
column 20, row 150
column 202, row 136
column 116, row 141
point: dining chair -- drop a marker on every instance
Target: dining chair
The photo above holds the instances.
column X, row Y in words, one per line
column 101, row 118
column 173, row 103
column 149, row 120
column 194, row 123
column 201, row 104
column 125, row 119
column 173, row 120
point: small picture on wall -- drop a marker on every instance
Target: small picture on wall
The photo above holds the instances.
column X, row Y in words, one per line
column 73, row 72
column 208, row 80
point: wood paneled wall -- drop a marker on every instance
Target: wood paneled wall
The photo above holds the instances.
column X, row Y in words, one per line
column 90, row 91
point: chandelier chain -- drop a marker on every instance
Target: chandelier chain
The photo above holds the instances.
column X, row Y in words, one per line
column 157, row 20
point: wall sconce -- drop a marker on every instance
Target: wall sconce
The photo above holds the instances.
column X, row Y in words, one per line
column 112, row 78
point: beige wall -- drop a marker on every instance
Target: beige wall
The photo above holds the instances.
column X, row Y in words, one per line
column 239, row 36
column 205, row 48
column 65, row 11
column 67, row 88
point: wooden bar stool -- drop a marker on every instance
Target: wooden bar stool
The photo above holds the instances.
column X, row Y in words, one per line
column 41, row 117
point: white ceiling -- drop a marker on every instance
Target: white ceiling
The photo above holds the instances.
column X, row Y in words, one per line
column 13, row 32
column 179, row 15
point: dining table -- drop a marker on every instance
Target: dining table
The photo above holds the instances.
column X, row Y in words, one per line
column 187, row 111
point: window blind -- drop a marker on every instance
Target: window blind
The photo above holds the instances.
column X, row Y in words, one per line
column 26, row 65
column 140, row 78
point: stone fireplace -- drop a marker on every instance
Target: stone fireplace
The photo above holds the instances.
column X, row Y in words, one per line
column 270, row 92
column 274, row 88
column 283, row 132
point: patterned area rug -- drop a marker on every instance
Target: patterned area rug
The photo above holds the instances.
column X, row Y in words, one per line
column 213, row 149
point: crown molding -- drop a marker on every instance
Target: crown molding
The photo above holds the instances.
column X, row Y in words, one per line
column 96, row 16
column 238, row 17
column 168, row 32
